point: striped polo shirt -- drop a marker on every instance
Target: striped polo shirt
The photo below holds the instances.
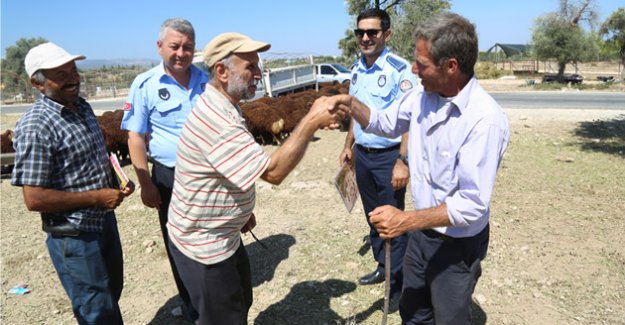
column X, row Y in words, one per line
column 217, row 164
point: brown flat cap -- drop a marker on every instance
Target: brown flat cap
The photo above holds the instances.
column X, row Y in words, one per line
column 227, row 43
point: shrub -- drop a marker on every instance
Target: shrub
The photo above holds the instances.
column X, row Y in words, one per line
column 488, row 70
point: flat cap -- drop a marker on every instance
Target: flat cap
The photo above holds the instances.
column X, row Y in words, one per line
column 227, row 43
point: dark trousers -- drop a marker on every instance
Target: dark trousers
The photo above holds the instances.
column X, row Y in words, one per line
column 373, row 174
column 90, row 267
column 440, row 274
column 163, row 178
column 222, row 292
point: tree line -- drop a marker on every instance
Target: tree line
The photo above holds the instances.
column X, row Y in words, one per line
column 559, row 35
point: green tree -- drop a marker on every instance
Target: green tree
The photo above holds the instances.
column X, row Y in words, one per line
column 405, row 15
column 556, row 38
column 613, row 29
column 14, row 77
column 559, row 35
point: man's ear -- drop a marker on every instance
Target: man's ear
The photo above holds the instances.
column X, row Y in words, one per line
column 37, row 84
column 451, row 66
column 387, row 35
column 221, row 71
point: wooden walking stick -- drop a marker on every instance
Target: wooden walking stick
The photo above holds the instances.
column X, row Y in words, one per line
column 387, row 279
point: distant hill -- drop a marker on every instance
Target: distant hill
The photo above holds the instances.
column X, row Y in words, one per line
column 94, row 64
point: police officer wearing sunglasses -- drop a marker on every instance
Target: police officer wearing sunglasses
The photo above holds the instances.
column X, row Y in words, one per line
column 379, row 78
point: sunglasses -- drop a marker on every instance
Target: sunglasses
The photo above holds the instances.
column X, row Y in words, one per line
column 370, row 32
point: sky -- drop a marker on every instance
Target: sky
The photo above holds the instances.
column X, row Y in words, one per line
column 116, row 29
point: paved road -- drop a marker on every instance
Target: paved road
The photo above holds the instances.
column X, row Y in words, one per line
column 530, row 100
column 569, row 99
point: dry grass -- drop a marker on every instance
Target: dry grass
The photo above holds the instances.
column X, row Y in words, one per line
column 555, row 255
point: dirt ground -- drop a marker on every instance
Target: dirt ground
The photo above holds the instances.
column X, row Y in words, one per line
column 554, row 255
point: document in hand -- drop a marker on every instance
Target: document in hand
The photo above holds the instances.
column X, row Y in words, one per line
column 123, row 179
column 345, row 182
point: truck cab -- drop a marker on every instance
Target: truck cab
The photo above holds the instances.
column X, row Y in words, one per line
column 330, row 72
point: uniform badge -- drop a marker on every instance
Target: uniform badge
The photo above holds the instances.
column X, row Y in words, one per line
column 405, row 85
column 163, row 93
column 382, row 80
column 354, row 77
column 127, row 106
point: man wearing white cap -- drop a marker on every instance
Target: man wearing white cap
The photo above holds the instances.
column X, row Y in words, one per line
column 62, row 165
column 218, row 163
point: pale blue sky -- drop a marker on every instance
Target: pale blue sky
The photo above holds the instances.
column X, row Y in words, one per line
column 116, row 29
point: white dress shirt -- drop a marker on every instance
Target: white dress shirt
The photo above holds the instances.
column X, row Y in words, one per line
column 454, row 150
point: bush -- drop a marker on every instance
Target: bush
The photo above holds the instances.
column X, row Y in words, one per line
column 488, row 70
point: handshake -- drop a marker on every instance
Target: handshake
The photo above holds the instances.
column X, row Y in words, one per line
column 328, row 112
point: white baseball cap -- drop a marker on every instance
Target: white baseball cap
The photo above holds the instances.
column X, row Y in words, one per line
column 47, row 56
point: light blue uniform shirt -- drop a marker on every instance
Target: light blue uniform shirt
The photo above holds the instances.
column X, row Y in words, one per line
column 158, row 104
column 378, row 87
column 454, row 150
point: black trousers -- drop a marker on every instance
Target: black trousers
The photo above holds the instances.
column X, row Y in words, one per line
column 163, row 178
column 440, row 274
column 222, row 292
column 374, row 171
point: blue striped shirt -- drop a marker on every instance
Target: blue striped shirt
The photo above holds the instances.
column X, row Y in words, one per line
column 58, row 149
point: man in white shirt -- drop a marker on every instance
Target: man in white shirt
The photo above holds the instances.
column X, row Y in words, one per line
column 457, row 137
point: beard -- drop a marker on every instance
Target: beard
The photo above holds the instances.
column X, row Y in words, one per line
column 238, row 88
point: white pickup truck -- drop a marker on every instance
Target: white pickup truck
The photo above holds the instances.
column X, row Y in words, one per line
column 278, row 81
column 330, row 72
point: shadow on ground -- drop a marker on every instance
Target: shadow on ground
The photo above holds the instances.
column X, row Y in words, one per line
column 264, row 259
column 307, row 303
column 606, row 136
column 164, row 316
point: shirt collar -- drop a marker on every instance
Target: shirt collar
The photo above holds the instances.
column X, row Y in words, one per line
column 379, row 62
column 443, row 109
column 462, row 99
column 49, row 102
column 233, row 111
column 162, row 74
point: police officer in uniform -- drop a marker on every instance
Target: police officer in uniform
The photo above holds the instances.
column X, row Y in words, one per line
column 158, row 104
column 378, row 79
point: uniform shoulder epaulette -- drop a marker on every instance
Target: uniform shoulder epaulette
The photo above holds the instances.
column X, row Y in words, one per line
column 141, row 79
column 398, row 64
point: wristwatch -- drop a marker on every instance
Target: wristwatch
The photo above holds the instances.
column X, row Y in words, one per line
column 404, row 159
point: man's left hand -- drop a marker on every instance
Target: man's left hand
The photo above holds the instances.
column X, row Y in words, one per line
column 400, row 175
column 251, row 223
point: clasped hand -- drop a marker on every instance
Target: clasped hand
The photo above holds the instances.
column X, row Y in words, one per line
column 331, row 111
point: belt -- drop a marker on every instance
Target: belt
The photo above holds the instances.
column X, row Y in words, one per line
column 154, row 162
column 435, row 234
column 376, row 150
column 58, row 225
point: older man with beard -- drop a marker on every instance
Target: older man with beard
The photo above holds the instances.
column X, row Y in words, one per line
column 218, row 163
